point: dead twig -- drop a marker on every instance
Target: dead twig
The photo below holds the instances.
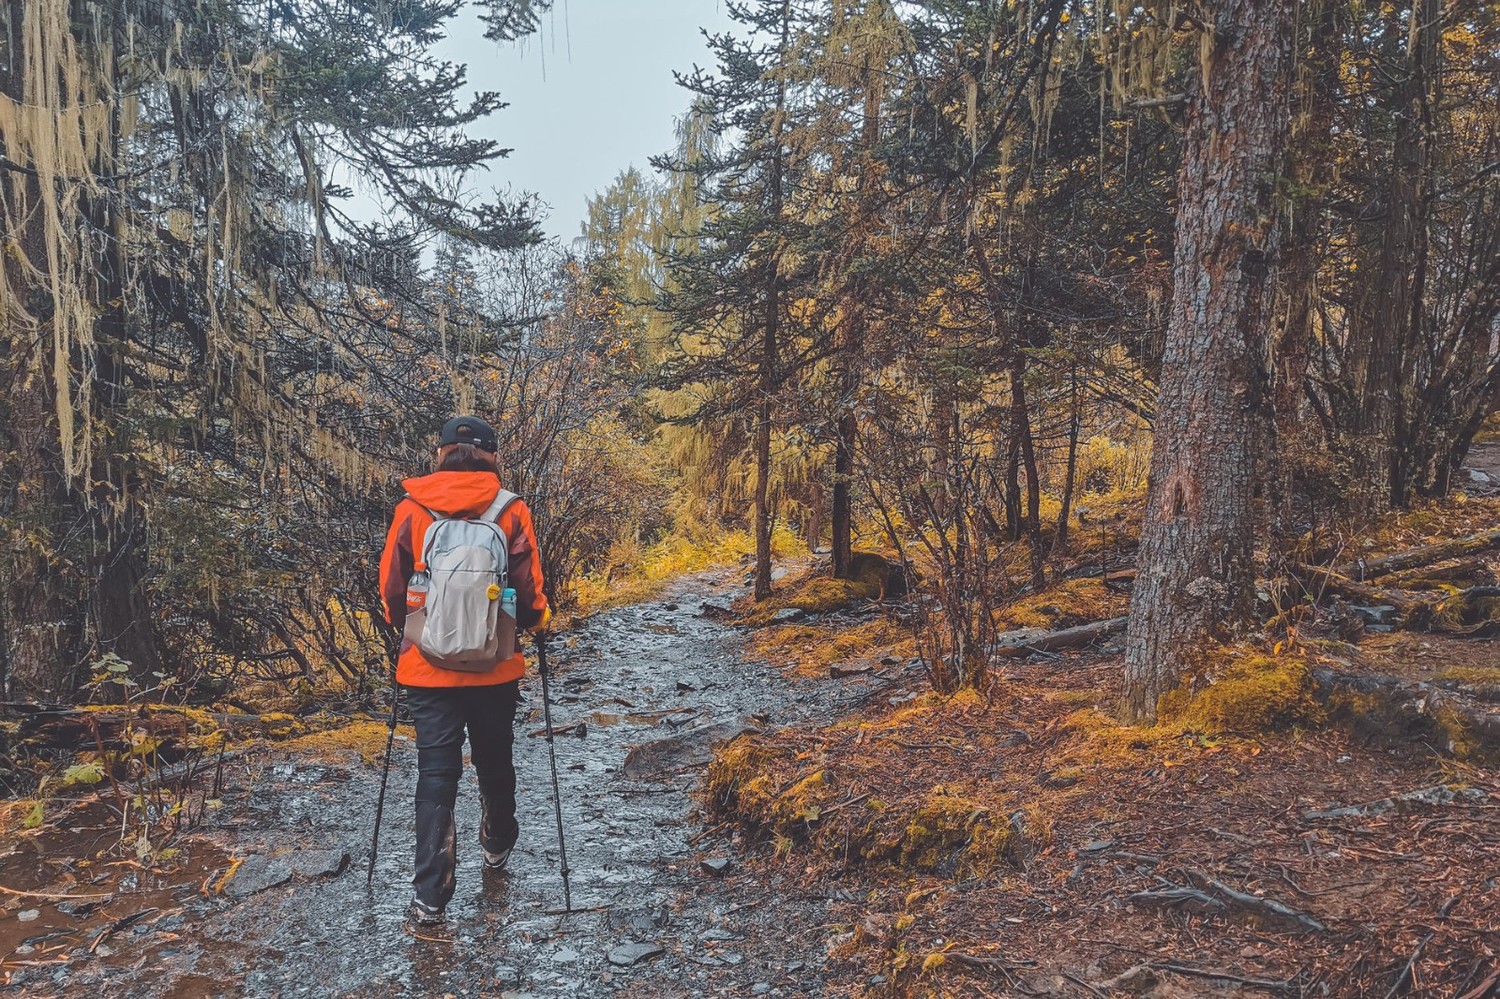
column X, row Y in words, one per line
column 1416, row 955
column 845, row 803
column 51, row 897
column 1484, row 989
column 1272, row 984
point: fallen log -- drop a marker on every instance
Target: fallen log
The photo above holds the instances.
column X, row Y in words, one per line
column 1320, row 582
column 1028, row 640
column 78, row 729
column 1428, row 797
column 1469, row 572
column 1444, row 713
column 1475, row 611
column 1366, row 569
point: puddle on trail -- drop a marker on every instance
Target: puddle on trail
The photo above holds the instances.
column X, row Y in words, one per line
column 655, row 922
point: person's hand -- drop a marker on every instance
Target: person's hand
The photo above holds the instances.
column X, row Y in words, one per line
column 543, row 624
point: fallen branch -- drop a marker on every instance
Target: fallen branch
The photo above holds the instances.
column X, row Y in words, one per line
column 1178, row 896
column 51, row 897
column 1366, row 569
column 1484, row 988
column 1471, row 572
column 578, row 728
column 1276, row 985
column 1416, row 955
column 987, row 963
column 1028, row 640
column 1440, row 794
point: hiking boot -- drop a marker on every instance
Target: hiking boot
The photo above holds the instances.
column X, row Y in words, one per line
column 422, row 914
column 494, row 859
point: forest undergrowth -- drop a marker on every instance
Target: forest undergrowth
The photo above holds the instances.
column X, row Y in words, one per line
column 1280, row 828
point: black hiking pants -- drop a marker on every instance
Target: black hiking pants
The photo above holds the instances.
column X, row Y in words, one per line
column 441, row 715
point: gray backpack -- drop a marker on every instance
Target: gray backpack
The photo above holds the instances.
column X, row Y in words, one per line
column 461, row 625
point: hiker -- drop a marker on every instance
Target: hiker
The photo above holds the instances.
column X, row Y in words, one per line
column 460, row 575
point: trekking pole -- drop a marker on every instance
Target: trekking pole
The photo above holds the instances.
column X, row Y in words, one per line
column 562, row 847
column 385, row 775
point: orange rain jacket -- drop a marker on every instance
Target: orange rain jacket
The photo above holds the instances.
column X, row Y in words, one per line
column 457, row 494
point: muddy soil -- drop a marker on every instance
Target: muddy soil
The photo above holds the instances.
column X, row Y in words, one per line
column 668, row 909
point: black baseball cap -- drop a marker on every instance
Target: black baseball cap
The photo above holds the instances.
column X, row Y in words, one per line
column 468, row 430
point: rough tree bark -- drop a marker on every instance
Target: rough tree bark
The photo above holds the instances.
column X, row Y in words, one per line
column 1196, row 570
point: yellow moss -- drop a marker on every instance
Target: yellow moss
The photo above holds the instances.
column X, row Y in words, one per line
column 814, row 649
column 1251, row 693
column 949, row 829
column 818, row 595
column 1456, row 732
column 735, row 777
column 800, row 802
column 1074, row 601
column 367, row 738
column 1483, row 676
column 633, row 573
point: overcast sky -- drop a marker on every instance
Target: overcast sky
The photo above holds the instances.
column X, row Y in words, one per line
column 589, row 96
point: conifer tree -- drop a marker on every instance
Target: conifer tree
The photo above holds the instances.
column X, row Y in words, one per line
column 734, row 291
column 175, row 241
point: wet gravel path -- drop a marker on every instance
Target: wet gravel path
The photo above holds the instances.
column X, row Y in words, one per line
column 660, row 922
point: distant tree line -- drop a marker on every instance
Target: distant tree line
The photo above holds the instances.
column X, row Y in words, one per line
column 939, row 255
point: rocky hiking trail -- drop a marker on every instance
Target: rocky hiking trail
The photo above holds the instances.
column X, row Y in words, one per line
column 268, row 896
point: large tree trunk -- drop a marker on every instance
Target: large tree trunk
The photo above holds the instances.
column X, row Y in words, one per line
column 75, row 592
column 120, row 618
column 1196, row 570
column 42, row 620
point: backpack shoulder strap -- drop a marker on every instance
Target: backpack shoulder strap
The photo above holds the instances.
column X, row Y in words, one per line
column 421, row 558
column 503, row 499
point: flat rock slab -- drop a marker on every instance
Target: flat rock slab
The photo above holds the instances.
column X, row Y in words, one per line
column 318, row 863
column 628, row 955
column 690, row 749
column 257, row 873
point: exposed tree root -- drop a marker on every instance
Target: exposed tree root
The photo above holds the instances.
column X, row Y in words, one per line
column 1217, row 897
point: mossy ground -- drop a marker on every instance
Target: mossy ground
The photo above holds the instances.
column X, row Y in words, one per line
column 814, row 591
column 1072, row 602
column 1014, row 824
